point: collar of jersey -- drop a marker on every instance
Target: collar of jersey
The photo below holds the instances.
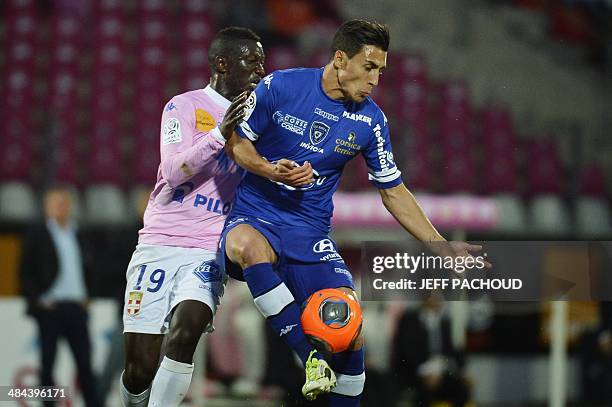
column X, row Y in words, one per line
column 217, row 97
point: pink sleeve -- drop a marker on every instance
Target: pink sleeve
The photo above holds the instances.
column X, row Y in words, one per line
column 180, row 158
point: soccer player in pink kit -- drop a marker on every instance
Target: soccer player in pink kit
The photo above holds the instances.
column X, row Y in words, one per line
column 174, row 282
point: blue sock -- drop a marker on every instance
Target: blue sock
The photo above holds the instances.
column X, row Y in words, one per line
column 349, row 367
column 277, row 305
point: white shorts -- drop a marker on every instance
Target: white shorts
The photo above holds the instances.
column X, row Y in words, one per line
column 160, row 277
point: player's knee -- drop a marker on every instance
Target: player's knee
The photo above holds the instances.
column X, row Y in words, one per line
column 138, row 375
column 183, row 339
column 247, row 248
column 182, row 342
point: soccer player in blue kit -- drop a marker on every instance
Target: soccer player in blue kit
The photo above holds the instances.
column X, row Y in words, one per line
column 277, row 234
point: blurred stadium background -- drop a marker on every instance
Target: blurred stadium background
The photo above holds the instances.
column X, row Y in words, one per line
column 500, row 113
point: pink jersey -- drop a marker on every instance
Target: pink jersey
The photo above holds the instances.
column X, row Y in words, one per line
column 196, row 180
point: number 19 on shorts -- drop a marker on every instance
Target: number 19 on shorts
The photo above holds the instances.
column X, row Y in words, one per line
column 156, row 278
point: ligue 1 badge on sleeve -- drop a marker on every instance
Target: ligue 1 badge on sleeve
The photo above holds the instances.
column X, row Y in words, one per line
column 250, row 105
column 133, row 304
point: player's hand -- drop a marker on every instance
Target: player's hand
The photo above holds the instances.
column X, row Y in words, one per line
column 234, row 115
column 290, row 173
column 457, row 249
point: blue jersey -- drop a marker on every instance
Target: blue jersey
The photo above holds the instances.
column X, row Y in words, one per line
column 290, row 116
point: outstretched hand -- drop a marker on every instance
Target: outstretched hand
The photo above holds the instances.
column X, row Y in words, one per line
column 234, row 115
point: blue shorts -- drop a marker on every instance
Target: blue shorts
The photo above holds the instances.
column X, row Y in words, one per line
column 308, row 260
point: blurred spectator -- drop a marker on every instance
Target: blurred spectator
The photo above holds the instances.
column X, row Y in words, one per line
column 53, row 280
column 425, row 359
column 596, row 360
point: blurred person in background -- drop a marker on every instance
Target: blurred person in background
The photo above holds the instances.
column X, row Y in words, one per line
column 596, row 360
column 174, row 283
column 425, row 359
column 54, row 281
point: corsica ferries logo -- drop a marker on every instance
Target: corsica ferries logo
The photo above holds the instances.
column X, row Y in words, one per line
column 348, row 146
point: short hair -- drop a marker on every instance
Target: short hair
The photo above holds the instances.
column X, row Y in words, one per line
column 227, row 42
column 57, row 187
column 354, row 34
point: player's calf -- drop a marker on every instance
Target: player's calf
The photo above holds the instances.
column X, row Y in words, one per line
column 173, row 377
column 189, row 320
column 141, row 359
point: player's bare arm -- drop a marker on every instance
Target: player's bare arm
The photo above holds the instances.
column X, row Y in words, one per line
column 243, row 152
column 405, row 209
column 400, row 202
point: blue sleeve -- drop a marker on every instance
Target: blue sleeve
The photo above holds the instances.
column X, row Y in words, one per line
column 382, row 171
column 260, row 106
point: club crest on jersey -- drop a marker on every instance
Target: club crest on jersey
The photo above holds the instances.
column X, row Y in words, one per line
column 208, row 272
column 318, row 132
column 133, row 304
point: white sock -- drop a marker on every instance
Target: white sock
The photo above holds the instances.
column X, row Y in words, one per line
column 133, row 400
column 170, row 384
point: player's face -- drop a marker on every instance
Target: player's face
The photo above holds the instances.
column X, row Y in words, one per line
column 58, row 205
column 246, row 70
column 360, row 74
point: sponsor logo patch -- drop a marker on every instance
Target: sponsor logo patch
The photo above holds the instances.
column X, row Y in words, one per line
column 289, row 122
column 310, row 147
column 208, row 272
column 358, row 117
column 326, row 115
column 347, row 147
column 327, row 246
column 204, row 121
column 324, row 245
column 343, row 271
column 383, row 155
column 170, row 107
